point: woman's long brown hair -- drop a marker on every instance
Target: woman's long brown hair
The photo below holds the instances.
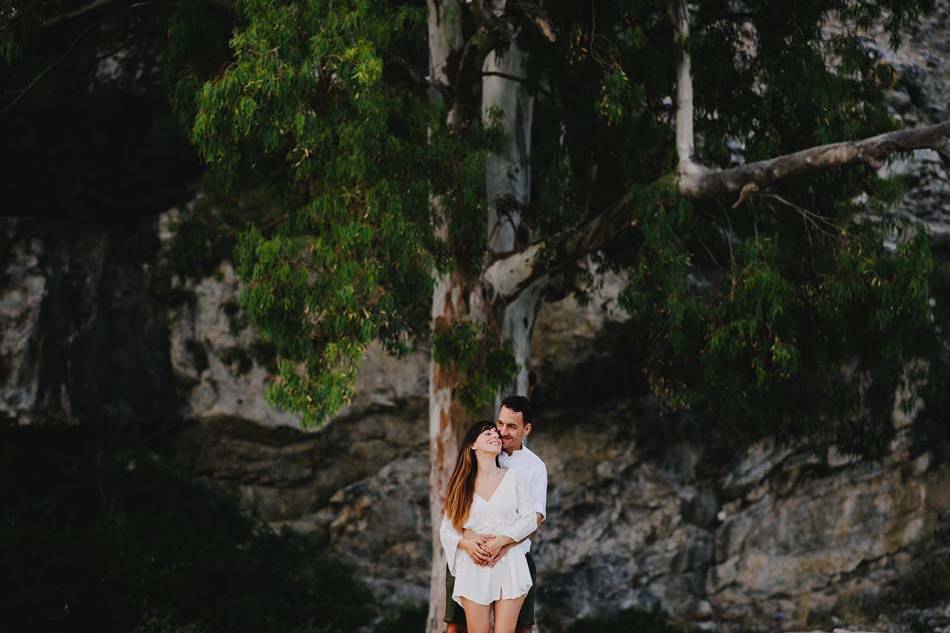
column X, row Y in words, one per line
column 461, row 492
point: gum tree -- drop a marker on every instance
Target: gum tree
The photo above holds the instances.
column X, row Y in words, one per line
column 436, row 172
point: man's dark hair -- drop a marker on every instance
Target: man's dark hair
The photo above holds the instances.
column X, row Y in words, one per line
column 520, row 404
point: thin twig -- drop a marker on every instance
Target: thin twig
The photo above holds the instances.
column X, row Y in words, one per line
column 811, row 216
column 523, row 80
column 73, row 14
column 414, row 75
column 46, row 70
column 95, row 5
column 708, row 251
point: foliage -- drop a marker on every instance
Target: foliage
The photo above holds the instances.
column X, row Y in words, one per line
column 783, row 327
column 334, row 173
column 309, row 102
column 95, row 536
column 627, row 620
column 755, row 316
column 788, row 317
column 484, row 366
column 406, row 618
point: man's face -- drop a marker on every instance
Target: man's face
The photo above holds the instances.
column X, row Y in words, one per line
column 512, row 429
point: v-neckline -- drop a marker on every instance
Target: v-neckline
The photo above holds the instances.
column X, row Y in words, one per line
column 495, row 491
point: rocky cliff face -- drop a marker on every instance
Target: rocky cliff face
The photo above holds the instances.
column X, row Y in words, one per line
column 84, row 337
column 638, row 516
column 643, row 510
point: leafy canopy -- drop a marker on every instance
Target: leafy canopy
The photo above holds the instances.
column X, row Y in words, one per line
column 307, row 109
column 788, row 306
column 783, row 318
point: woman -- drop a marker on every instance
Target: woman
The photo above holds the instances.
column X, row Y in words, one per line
column 490, row 500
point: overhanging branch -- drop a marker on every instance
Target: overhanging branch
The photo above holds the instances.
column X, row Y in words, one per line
column 696, row 181
column 512, row 273
column 227, row 5
column 872, row 151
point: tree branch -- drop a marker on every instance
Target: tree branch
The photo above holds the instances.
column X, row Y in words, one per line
column 80, row 11
column 705, row 183
column 696, row 181
column 534, row 12
column 22, row 92
column 98, row 4
column 521, row 80
column 512, row 273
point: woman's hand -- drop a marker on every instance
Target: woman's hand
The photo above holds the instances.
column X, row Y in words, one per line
column 475, row 545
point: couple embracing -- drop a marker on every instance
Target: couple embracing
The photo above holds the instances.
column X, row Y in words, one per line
column 495, row 500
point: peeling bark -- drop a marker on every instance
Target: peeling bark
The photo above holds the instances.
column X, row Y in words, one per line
column 508, row 172
column 508, row 187
column 449, row 302
column 453, row 301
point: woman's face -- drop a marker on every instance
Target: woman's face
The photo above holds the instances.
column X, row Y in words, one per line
column 488, row 441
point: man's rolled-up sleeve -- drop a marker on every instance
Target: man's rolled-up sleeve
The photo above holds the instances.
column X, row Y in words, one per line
column 539, row 490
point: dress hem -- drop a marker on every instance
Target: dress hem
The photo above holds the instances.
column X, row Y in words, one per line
column 486, row 604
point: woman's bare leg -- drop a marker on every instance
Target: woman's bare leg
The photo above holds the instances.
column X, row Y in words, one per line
column 476, row 616
column 506, row 614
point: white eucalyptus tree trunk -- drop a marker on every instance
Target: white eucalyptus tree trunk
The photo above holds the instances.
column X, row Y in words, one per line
column 457, row 299
column 508, row 101
column 449, row 304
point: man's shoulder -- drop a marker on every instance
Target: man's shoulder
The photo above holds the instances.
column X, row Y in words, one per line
column 532, row 458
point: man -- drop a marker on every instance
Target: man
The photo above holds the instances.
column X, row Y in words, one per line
column 515, row 422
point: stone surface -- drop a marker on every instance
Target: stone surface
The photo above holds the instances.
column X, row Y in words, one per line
column 20, row 302
column 221, row 365
column 82, row 334
column 640, row 514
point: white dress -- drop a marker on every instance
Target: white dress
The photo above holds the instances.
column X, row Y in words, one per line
column 509, row 512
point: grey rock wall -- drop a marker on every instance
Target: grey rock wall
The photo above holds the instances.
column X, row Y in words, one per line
column 643, row 510
column 771, row 541
column 83, row 336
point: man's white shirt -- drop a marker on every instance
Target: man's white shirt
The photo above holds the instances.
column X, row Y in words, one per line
column 530, row 467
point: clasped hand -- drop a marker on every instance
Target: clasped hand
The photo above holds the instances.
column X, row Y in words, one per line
column 485, row 549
